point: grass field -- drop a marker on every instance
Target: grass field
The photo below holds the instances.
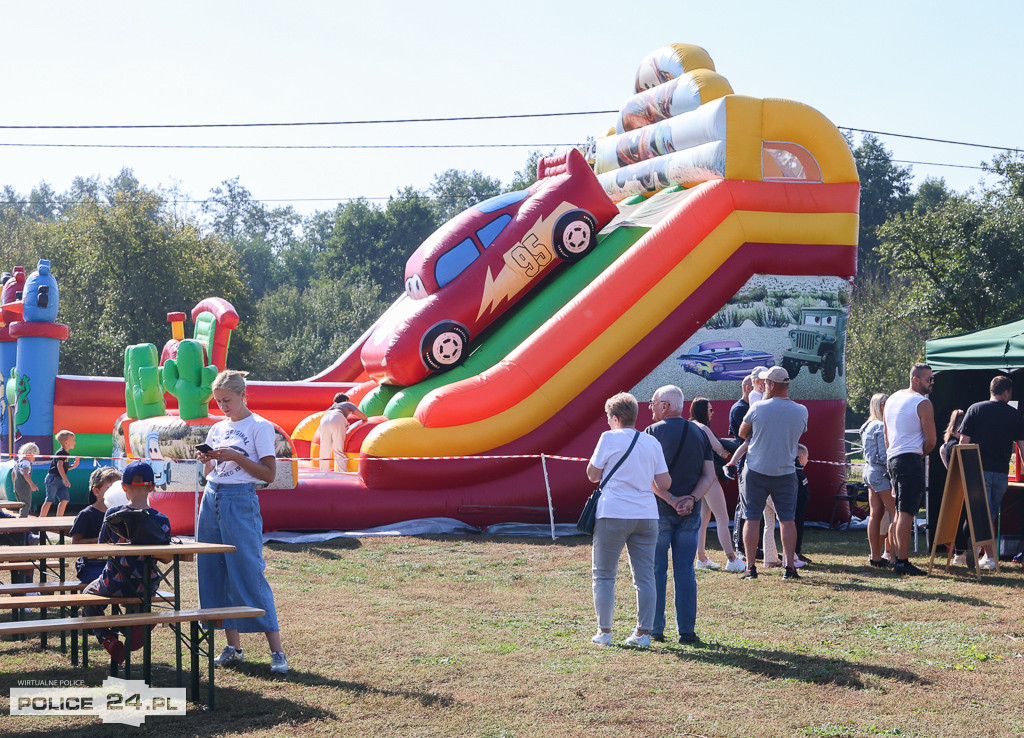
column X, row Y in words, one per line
column 489, row 637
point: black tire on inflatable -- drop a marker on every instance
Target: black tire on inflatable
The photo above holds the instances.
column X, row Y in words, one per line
column 828, row 366
column 792, row 366
column 574, row 235
column 444, row 346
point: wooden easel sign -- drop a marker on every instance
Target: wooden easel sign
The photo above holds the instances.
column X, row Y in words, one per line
column 965, row 487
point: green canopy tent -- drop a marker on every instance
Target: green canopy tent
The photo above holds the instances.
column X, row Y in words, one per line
column 999, row 349
column 964, row 366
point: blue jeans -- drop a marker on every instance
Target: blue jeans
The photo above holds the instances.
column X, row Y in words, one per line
column 230, row 513
column 679, row 533
column 996, row 484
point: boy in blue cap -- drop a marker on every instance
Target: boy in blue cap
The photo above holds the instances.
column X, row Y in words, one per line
column 123, row 576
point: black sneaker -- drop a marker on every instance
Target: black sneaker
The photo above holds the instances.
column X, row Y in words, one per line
column 880, row 563
column 790, row 573
column 906, row 569
column 659, row 637
column 750, row 573
column 689, row 638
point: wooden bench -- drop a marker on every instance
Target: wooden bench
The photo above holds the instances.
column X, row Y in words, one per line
column 211, row 616
column 16, row 566
column 42, row 588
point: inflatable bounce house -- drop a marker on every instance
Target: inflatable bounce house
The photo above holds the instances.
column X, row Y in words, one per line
column 704, row 234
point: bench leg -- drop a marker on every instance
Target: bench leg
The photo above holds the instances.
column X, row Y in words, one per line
column 74, row 639
column 193, row 648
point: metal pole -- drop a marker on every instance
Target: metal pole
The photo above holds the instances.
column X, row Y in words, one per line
column 547, row 485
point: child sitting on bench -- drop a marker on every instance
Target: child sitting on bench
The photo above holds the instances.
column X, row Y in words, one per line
column 123, row 576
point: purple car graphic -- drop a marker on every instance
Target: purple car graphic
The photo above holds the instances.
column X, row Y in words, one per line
column 726, row 359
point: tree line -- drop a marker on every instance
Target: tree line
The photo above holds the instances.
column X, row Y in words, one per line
column 306, row 287
column 931, row 262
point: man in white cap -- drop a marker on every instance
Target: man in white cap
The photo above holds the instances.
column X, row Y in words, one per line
column 773, row 427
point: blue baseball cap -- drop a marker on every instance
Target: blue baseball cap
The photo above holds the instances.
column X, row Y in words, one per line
column 137, row 469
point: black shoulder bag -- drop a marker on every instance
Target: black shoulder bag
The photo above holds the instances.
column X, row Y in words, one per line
column 588, row 518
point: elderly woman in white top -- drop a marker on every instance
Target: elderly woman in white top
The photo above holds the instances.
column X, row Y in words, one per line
column 627, row 515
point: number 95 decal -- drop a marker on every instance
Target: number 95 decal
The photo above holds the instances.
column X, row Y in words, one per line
column 529, row 257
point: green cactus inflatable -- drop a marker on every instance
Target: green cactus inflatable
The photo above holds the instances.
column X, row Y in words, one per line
column 16, row 392
column 143, row 395
column 189, row 380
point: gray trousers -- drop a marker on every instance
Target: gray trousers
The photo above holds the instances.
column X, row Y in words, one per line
column 640, row 537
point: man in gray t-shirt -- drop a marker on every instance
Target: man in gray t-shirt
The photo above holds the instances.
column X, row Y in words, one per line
column 773, row 427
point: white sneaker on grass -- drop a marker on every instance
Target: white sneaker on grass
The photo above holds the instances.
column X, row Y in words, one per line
column 987, row 563
column 602, row 639
column 230, row 655
column 706, row 564
column 278, row 663
column 960, row 559
column 640, row 641
column 736, row 564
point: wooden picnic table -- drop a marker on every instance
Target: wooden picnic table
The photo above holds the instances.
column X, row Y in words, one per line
column 169, row 573
column 11, row 504
column 33, row 524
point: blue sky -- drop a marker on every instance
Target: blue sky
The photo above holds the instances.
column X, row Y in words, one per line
column 938, row 69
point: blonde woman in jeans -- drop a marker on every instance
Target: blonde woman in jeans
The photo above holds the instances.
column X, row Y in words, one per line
column 627, row 516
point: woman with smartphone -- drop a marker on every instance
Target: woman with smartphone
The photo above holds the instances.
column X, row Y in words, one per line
column 238, row 455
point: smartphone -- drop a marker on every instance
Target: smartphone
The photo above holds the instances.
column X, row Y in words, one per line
column 204, row 448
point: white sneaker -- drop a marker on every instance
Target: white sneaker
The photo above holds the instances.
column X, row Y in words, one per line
column 736, row 564
column 706, row 564
column 602, row 639
column 230, row 655
column 640, row 641
column 960, row 559
column 987, row 563
column 799, row 563
column 278, row 663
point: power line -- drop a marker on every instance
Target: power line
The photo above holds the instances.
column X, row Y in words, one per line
column 305, row 123
column 932, row 140
column 300, row 146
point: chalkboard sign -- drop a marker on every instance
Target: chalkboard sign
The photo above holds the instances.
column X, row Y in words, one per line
column 977, row 497
column 965, row 488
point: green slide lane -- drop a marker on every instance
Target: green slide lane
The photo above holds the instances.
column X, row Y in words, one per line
column 529, row 317
column 377, row 399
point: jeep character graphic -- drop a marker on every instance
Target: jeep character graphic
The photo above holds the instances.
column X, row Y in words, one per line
column 818, row 342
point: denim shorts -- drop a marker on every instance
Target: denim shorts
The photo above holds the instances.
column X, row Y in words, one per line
column 230, row 513
column 757, row 488
column 876, row 479
column 55, row 489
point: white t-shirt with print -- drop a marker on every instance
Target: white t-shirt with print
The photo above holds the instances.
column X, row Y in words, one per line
column 252, row 436
column 629, row 494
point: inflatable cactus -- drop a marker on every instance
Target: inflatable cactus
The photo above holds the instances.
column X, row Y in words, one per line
column 17, row 391
column 189, row 380
column 143, row 395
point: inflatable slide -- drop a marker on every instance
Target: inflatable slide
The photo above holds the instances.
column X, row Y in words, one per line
column 504, row 347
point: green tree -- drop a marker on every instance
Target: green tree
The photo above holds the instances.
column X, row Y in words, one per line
column 884, row 192
column 962, row 259
column 301, row 332
column 122, row 267
column 880, row 347
column 455, row 190
column 373, row 243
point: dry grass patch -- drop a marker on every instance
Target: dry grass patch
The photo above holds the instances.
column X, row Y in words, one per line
column 489, row 637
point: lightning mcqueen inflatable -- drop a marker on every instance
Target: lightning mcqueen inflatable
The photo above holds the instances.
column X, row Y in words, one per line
column 480, row 263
